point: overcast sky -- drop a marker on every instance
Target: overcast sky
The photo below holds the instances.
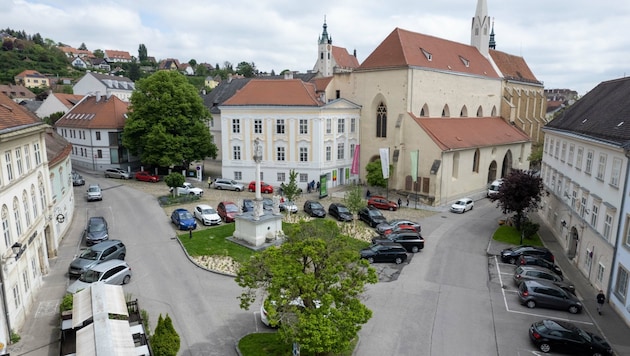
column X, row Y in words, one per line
column 567, row 44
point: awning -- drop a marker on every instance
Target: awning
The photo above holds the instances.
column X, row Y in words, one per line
column 105, row 337
column 98, row 299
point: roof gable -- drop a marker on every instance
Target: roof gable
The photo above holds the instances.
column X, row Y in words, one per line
column 513, row 67
column 343, row 58
column 13, row 115
column 96, row 113
column 404, row 48
column 288, row 92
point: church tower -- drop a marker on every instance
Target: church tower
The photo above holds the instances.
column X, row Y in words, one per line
column 324, row 65
column 480, row 30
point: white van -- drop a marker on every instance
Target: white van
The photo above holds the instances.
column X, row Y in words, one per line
column 493, row 188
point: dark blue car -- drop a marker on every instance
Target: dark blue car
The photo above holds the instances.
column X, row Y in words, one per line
column 183, row 219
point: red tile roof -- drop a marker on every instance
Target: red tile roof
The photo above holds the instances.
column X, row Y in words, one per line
column 343, row 58
column 16, row 91
column 30, row 73
column 288, row 92
column 461, row 133
column 321, row 83
column 69, row 100
column 404, row 48
column 113, row 54
column 106, row 113
column 57, row 147
column 13, row 115
column 513, row 67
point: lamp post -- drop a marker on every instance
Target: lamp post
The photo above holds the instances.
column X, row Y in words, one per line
column 257, row 159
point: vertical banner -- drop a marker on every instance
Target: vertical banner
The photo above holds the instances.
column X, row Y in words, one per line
column 355, row 160
column 323, row 186
column 384, row 152
column 414, row 165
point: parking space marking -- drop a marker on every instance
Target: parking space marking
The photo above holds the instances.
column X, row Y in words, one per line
column 507, row 308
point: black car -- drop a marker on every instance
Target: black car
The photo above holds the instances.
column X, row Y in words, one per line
column 248, row 205
column 522, row 273
column 340, row 212
column 531, row 260
column 412, row 241
column 565, row 337
column 385, row 252
column 511, row 255
column 313, row 208
column 96, row 230
column 371, row 216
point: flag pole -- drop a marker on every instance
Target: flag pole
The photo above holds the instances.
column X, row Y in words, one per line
column 417, row 180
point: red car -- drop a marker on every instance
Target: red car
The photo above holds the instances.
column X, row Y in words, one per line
column 227, row 210
column 264, row 187
column 147, row 177
column 381, row 203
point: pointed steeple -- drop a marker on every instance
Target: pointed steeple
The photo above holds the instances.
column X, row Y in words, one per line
column 492, row 44
column 324, row 65
column 480, row 29
column 324, row 39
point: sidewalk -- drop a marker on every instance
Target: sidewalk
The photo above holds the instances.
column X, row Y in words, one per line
column 610, row 325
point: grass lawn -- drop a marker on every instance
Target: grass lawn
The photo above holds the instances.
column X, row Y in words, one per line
column 270, row 344
column 212, row 242
column 510, row 235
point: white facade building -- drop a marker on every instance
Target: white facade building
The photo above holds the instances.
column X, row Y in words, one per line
column 103, row 84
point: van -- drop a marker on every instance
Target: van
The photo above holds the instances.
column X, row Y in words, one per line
column 493, row 188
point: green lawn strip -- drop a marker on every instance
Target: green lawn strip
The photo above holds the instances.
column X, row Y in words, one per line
column 510, row 235
column 213, row 242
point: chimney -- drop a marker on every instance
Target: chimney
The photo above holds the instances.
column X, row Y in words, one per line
column 97, row 96
column 288, row 75
column 355, row 53
column 229, row 78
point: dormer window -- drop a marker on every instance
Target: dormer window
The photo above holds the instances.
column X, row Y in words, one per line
column 465, row 61
column 426, row 53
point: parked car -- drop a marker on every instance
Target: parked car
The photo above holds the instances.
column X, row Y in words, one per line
column 101, row 252
column 77, row 179
column 462, row 205
column 531, row 260
column 227, row 184
column 385, row 252
column 248, row 205
column 94, row 192
column 340, row 212
column 188, row 189
column 545, row 294
column 109, row 272
column 412, row 241
column 207, row 215
column 288, row 206
column 183, row 219
column 267, row 204
column 227, row 211
column 522, row 273
column 493, row 188
column 556, row 335
column 380, row 202
column 116, row 173
column 264, row 187
column 371, row 216
column 315, row 209
column 511, row 255
column 147, row 177
column 96, row 230
column 400, row 224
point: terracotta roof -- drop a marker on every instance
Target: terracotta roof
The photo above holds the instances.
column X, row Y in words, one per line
column 12, row 115
column 461, row 133
column 343, row 58
column 553, row 105
column 74, row 51
column 30, row 73
column 113, row 54
column 513, row 67
column 16, row 91
column 222, row 92
column 321, row 83
column 57, row 147
column 404, row 48
column 288, row 92
column 69, row 100
column 106, row 113
column 603, row 113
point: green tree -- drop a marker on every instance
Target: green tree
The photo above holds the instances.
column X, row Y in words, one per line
column 519, row 193
column 142, row 53
column 167, row 122
column 165, row 340
column 98, row 53
column 248, row 70
column 291, row 190
column 320, row 268
column 83, row 47
column 133, row 70
column 374, row 174
column 52, row 118
column 353, row 199
column 193, row 63
column 535, row 157
column 173, row 181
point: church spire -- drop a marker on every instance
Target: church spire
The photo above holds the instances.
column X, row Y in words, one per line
column 324, row 39
column 493, row 44
column 479, row 32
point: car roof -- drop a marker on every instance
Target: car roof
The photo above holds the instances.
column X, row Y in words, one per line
column 105, row 266
column 204, row 206
column 535, row 268
column 227, row 202
column 104, row 245
column 180, row 210
column 97, row 218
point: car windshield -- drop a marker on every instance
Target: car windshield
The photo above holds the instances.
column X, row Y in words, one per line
column 208, row 211
column 584, row 335
column 90, row 276
column 185, row 215
column 231, row 208
column 89, row 255
column 342, row 209
column 94, row 189
column 460, row 202
column 97, row 226
column 376, row 213
column 316, row 205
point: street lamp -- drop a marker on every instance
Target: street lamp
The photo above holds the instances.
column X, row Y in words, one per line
column 17, row 249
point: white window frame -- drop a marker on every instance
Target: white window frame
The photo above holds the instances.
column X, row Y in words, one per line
column 236, row 153
column 303, row 123
column 236, row 126
column 616, row 172
column 589, row 161
column 601, row 166
column 257, row 126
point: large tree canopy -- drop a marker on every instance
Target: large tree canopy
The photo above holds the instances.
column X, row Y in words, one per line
column 320, row 268
column 167, row 122
column 520, row 192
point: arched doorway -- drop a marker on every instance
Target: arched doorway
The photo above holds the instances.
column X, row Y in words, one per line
column 507, row 164
column 573, row 242
column 492, row 172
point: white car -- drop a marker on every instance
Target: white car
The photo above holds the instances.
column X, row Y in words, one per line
column 288, row 206
column 109, row 272
column 207, row 215
column 462, row 205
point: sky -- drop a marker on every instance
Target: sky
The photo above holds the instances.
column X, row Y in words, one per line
column 567, row 44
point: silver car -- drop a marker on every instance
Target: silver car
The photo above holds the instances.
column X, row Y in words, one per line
column 94, row 193
column 117, row 173
column 99, row 253
column 207, row 215
column 109, row 272
column 228, row 184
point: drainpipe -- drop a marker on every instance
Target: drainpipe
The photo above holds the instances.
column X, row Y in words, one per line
column 619, row 225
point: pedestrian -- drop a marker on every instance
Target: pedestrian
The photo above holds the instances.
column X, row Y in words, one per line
column 407, row 199
column 601, row 298
column 318, row 184
column 367, row 194
column 190, row 233
column 209, row 182
column 399, row 202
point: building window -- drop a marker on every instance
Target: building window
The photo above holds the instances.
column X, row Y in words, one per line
column 6, row 229
column 258, row 126
column 578, row 158
column 582, row 208
column 621, row 284
column 27, row 215
column 303, row 127
column 236, row 126
column 352, row 148
column 608, row 226
column 238, row 175
column 281, row 176
column 601, row 167
column 353, row 125
column 17, row 217
column 99, row 153
column 18, row 161
column 27, row 158
column 341, row 126
column 42, row 196
column 381, row 121
column 328, row 126
column 571, row 153
column 589, row 162
column 25, row 280
column 303, row 154
column 34, row 202
column 16, row 296
column 7, row 161
column 280, row 154
column 236, row 155
column 564, row 151
column 38, row 154
column 98, row 136
column 475, row 167
column 341, row 151
column 328, row 153
column 303, row 177
column 616, row 172
column 600, row 272
column 280, row 126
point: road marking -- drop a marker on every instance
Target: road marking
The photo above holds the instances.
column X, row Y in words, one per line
column 47, row 308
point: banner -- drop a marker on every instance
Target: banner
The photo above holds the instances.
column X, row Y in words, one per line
column 384, row 152
column 414, row 165
column 355, row 161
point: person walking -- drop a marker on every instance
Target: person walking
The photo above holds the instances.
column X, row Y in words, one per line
column 399, row 202
column 601, row 299
column 407, row 199
column 367, row 194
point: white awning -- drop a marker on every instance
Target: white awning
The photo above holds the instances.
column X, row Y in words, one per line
column 99, row 298
column 105, row 337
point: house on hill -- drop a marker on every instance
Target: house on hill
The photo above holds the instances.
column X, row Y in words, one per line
column 104, row 84
column 114, row 56
column 17, row 93
column 31, row 79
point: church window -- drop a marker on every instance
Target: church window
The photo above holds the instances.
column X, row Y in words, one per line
column 381, row 121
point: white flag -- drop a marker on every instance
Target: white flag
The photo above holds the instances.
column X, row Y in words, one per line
column 384, row 161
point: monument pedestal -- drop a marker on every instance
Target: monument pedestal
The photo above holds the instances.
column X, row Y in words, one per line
column 256, row 232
